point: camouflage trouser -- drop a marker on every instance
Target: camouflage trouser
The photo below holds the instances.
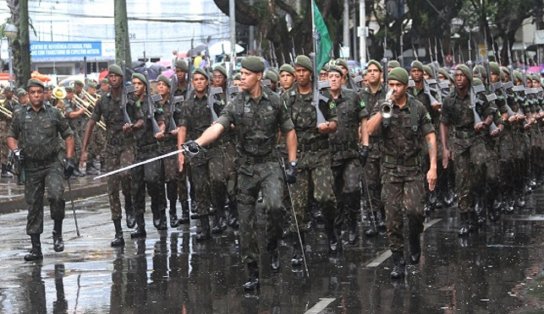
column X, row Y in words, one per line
column 372, row 175
column 398, row 194
column 252, row 178
column 347, row 189
column 97, row 143
column 118, row 156
column 147, row 176
column 4, row 150
column 222, row 174
column 320, row 180
column 201, row 185
column 41, row 176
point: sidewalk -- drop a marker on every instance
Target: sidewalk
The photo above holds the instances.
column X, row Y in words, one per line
column 12, row 195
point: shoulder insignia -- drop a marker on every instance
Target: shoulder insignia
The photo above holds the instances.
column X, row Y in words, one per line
column 362, row 104
column 332, row 104
column 428, row 116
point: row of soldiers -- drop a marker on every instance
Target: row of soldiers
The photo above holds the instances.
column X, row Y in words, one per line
column 327, row 152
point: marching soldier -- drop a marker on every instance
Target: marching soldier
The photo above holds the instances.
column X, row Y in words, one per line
column 33, row 139
column 314, row 163
column 9, row 107
column 287, row 77
column 256, row 114
column 372, row 96
column 119, row 150
column 75, row 115
column 404, row 123
column 148, row 176
column 349, row 148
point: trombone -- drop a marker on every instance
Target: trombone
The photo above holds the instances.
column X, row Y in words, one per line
column 90, row 98
column 5, row 111
column 85, row 105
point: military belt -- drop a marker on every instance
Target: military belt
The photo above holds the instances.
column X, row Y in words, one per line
column 258, row 159
column 464, row 134
column 313, row 146
column 39, row 163
column 340, row 147
column 401, row 161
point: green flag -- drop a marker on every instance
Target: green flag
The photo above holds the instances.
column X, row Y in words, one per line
column 324, row 43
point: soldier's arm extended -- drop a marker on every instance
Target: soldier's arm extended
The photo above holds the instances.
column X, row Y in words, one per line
column 182, row 134
column 446, row 155
column 291, row 141
column 210, row 134
column 374, row 123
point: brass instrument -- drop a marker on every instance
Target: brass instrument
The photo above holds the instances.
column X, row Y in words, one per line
column 59, row 92
column 5, row 111
column 90, row 98
column 85, row 105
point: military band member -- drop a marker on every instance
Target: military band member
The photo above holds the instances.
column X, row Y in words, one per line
column 404, row 124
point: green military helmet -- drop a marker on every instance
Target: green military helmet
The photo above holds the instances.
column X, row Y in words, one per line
column 398, row 74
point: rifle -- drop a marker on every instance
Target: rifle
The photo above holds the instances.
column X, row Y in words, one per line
column 212, row 91
column 124, row 99
column 317, row 86
column 475, row 90
column 151, row 99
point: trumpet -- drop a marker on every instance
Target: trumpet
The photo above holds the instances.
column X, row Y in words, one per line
column 387, row 107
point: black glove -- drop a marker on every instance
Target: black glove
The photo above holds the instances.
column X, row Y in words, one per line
column 192, row 148
column 363, row 154
column 17, row 154
column 69, row 167
column 291, row 172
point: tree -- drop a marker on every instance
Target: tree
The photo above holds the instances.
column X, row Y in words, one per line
column 122, row 44
column 20, row 46
column 269, row 18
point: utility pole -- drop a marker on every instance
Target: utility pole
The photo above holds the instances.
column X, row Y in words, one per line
column 232, row 16
column 345, row 39
column 122, row 44
column 251, row 45
column 362, row 32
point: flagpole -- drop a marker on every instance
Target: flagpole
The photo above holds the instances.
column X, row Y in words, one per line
column 314, row 46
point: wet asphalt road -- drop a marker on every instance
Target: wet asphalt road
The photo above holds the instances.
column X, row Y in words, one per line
column 169, row 272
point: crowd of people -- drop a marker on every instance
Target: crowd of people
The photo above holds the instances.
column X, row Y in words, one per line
column 305, row 144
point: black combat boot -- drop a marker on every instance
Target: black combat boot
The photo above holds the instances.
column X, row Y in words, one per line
column 140, row 228
column 174, row 221
column 162, row 220
column 464, row 228
column 297, row 260
column 203, row 230
column 272, row 248
column 398, row 265
column 233, row 219
column 414, row 239
column 5, row 172
column 253, row 281
column 118, row 240
column 219, row 221
column 373, row 227
column 58, row 243
column 184, row 219
column 353, row 231
column 129, row 212
column 334, row 244
column 36, row 251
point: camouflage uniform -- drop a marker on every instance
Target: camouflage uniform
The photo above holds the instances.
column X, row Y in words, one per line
column 185, row 175
column 119, row 149
column 470, row 150
column 256, row 124
column 402, row 177
column 314, row 157
column 38, row 139
column 346, row 167
column 5, row 123
column 150, row 175
column 75, row 125
column 372, row 169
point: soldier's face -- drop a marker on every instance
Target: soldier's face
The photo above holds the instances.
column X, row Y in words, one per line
column 249, row 80
column 91, row 90
column 286, row 80
column 529, row 83
column 461, row 81
column 335, row 80
column 323, row 75
column 200, row 83
column 69, row 95
column 374, row 74
column 416, row 74
column 303, row 75
column 78, row 88
column 426, row 76
column 105, row 87
column 115, row 80
column 399, row 89
column 536, row 84
column 139, row 87
column 495, row 78
column 441, row 77
column 180, row 74
column 35, row 95
column 163, row 89
column 218, row 79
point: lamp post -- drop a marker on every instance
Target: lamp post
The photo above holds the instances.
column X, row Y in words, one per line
column 10, row 31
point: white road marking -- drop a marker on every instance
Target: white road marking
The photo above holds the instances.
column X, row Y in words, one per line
column 320, row 306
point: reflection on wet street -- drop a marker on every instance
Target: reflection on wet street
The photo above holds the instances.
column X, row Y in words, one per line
column 169, row 272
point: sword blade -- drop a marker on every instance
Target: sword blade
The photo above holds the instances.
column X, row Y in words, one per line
column 107, row 174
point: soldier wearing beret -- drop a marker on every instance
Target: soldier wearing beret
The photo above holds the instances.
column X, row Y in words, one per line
column 287, row 77
column 405, row 124
column 119, row 149
column 256, row 114
column 372, row 96
column 104, row 87
column 33, row 138
column 168, row 139
column 314, row 163
column 22, row 96
column 468, row 145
